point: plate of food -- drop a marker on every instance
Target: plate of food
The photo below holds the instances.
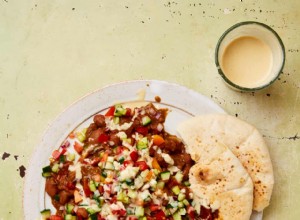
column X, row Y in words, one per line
column 148, row 149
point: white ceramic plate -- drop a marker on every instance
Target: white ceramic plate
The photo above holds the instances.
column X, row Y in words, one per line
column 182, row 102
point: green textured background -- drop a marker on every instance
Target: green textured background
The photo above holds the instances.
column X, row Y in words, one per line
column 54, row 52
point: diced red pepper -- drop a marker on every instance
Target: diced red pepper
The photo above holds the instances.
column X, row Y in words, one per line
column 160, row 215
column 111, row 111
column 154, row 207
column 134, row 156
column 103, row 138
column 78, row 147
column 142, row 165
column 128, row 112
column 142, row 130
column 55, row 217
column 86, row 187
column 126, row 163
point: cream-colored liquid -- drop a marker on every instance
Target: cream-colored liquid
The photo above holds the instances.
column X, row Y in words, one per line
column 247, row 62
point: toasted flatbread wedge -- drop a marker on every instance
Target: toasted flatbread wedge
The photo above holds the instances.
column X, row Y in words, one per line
column 219, row 180
column 244, row 141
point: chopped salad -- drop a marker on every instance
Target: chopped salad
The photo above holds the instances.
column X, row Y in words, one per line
column 123, row 166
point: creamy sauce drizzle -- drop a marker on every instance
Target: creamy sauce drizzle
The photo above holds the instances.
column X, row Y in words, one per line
column 247, row 62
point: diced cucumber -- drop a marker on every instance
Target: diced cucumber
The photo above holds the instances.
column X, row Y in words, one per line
column 181, row 196
column 55, row 168
column 116, row 120
column 70, row 157
column 176, row 190
column 142, row 143
column 46, row 174
column 120, row 196
column 146, row 120
column 121, row 160
column 92, row 186
column 185, row 202
column 47, row 171
column 129, row 182
column 132, row 194
column 187, row 183
column 119, row 110
column 110, row 159
column 179, row 176
column 109, row 166
column 69, row 208
column 160, row 185
column 139, row 211
column 45, row 214
column 62, row 158
column 69, row 217
column 182, row 211
column 104, row 174
column 80, row 136
column 93, row 216
column 165, row 176
column 176, row 216
column 180, row 205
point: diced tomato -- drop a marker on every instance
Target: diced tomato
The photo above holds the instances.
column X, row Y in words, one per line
column 191, row 212
column 111, row 111
column 120, row 212
column 160, row 215
column 78, row 147
column 154, row 207
column 128, row 112
column 100, row 218
column 142, row 165
column 132, row 217
column 71, row 186
column 157, row 139
column 79, row 218
column 126, row 163
column 134, row 156
column 101, row 189
column 142, row 130
column 103, row 138
column 55, row 217
column 113, row 200
column 86, row 187
column 56, row 154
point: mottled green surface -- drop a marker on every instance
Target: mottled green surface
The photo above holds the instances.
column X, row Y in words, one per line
column 54, row 52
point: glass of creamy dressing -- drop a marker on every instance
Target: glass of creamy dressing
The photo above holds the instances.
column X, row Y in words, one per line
column 250, row 56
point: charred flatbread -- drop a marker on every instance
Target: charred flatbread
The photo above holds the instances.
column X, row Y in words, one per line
column 246, row 143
